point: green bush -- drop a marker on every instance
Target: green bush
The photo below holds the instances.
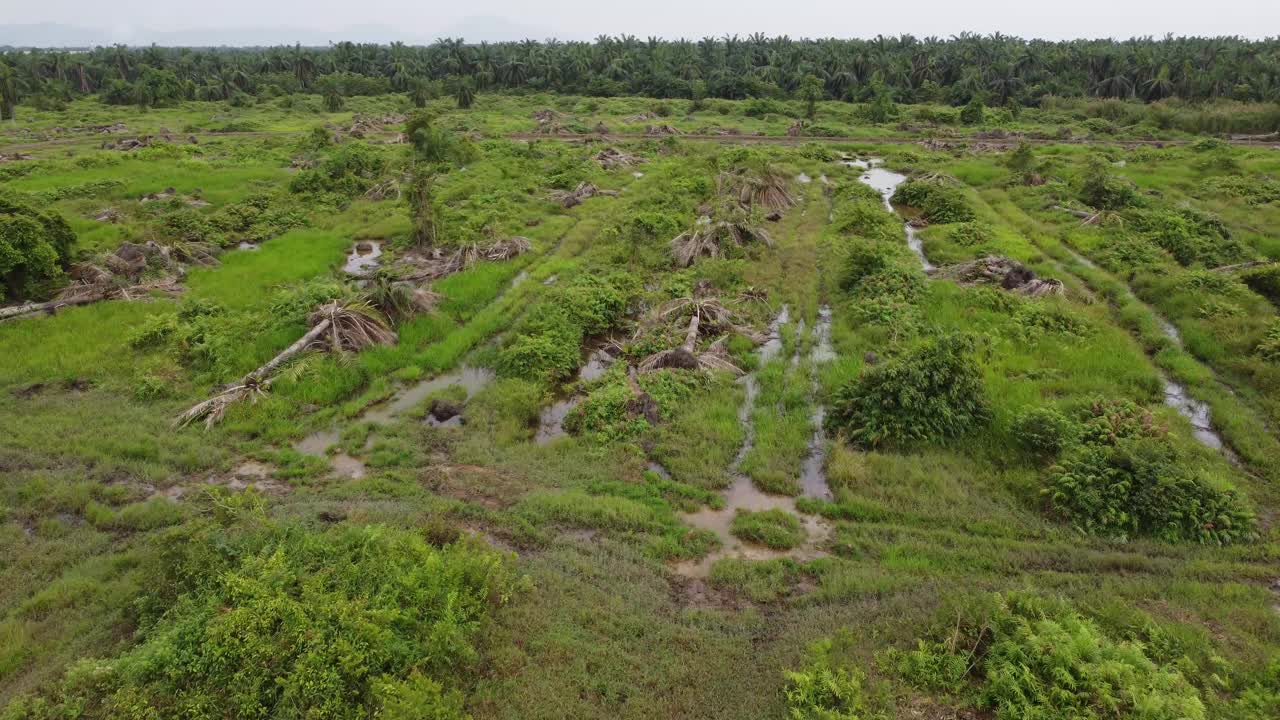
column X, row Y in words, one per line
column 824, row 691
column 775, row 528
column 35, row 247
column 1269, row 347
column 867, row 218
column 287, row 622
column 1265, row 281
column 936, row 200
column 1143, row 487
column 1189, row 235
column 1100, row 190
column 548, row 346
column 1042, row 660
column 933, row 392
column 1043, row 431
column 549, row 356
column 970, row 234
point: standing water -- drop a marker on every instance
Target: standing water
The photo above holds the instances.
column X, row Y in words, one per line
column 813, row 476
column 886, row 182
column 363, row 258
column 742, row 494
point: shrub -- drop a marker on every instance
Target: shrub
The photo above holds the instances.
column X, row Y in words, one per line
column 969, row 234
column 1044, row 431
column 1265, row 281
column 973, row 112
column 868, row 219
column 297, row 623
column 1099, row 189
column 548, row 348
column 1037, row 318
column 1189, row 235
column 823, row 691
column 1043, row 660
column 549, row 356
column 775, row 528
column 35, row 246
column 1141, row 486
column 1269, row 347
column 933, row 392
column 937, row 201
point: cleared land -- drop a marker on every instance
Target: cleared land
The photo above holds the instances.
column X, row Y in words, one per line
column 918, row 422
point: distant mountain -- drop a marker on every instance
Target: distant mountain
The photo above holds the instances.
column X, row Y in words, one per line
column 474, row 30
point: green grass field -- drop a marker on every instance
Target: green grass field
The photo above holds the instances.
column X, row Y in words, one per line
column 467, row 521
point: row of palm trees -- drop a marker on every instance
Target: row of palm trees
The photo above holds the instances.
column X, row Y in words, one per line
column 955, row 69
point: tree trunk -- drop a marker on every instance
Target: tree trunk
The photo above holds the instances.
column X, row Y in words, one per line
column 1078, row 213
column 1244, row 266
column 258, row 375
column 691, row 337
column 28, row 308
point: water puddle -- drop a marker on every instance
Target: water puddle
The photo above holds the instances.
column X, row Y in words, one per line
column 886, row 182
column 246, row 245
column 742, row 494
column 519, row 279
column 363, row 259
column 803, row 179
column 813, row 474
column 551, row 421
column 637, row 174
column 317, row 444
column 472, row 379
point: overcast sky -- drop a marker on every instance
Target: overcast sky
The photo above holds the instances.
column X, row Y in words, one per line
column 584, row 19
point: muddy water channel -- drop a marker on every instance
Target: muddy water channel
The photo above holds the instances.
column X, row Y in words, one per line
column 886, row 182
column 742, row 494
column 1175, row 394
column 317, row 444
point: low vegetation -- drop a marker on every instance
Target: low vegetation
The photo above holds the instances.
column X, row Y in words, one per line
column 337, row 385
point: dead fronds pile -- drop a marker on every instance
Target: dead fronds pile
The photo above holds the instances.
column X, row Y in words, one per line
column 712, row 238
column 389, row 189
column 1009, row 274
column 645, row 116
column 110, row 215
column 764, row 187
column 506, row 249
column 546, row 117
column 571, row 198
column 15, row 157
column 611, row 158
column 661, row 130
column 707, row 317
column 441, row 261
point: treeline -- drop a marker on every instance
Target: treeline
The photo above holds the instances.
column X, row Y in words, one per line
column 996, row 68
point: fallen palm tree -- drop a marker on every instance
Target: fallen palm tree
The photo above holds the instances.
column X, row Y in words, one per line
column 335, row 327
column 439, row 262
column 996, row 270
column 119, row 277
column 712, row 238
column 707, row 316
column 611, row 158
column 574, row 197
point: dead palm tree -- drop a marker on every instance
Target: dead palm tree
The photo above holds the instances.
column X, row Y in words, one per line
column 707, row 316
column 335, row 327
